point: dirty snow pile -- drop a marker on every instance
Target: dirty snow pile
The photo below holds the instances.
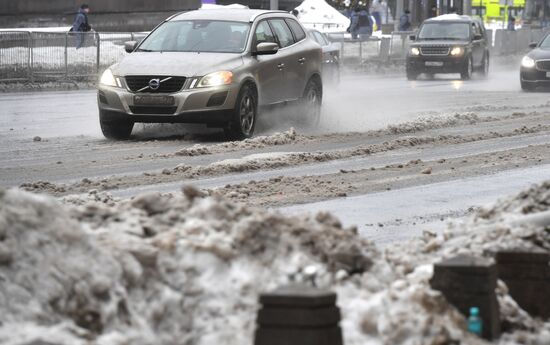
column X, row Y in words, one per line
column 275, row 139
column 188, row 269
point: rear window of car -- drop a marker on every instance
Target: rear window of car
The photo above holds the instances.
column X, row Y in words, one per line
column 282, row 32
column 296, row 28
column 320, row 38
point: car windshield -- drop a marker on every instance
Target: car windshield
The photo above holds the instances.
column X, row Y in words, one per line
column 546, row 42
column 198, row 36
column 444, row 31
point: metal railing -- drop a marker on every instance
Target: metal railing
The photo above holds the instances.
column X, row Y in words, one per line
column 42, row 56
column 39, row 56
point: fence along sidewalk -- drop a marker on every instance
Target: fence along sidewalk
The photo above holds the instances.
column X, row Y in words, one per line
column 42, row 56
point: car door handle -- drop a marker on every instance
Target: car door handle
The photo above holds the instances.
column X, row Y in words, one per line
column 281, row 66
column 302, row 60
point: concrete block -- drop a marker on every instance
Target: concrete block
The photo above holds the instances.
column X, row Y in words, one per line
column 298, row 315
column 527, row 275
column 470, row 282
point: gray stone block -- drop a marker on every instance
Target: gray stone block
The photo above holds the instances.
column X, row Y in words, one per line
column 297, row 336
column 298, row 315
column 298, row 296
column 470, row 282
column 527, row 275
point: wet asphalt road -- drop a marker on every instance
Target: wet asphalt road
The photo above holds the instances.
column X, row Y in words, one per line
column 359, row 103
column 72, row 146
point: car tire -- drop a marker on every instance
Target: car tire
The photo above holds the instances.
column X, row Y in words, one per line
column 311, row 102
column 244, row 115
column 467, row 70
column 115, row 129
column 527, row 86
column 484, row 69
column 411, row 75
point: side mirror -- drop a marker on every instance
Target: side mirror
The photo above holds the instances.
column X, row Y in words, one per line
column 266, row 48
column 478, row 37
column 533, row 45
column 412, row 37
column 130, row 46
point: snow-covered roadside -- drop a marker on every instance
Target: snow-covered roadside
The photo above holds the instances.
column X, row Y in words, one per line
column 188, row 269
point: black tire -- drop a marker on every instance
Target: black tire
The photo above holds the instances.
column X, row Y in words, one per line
column 311, row 102
column 115, row 129
column 411, row 75
column 484, row 69
column 467, row 70
column 527, row 86
column 244, row 115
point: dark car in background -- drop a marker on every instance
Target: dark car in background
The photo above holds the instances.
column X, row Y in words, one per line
column 449, row 44
column 331, row 57
column 535, row 66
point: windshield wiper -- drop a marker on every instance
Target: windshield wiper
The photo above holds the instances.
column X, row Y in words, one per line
column 144, row 50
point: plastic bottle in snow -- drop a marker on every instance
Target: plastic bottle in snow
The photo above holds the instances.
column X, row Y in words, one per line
column 475, row 324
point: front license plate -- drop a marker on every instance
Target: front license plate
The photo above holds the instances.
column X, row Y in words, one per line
column 547, row 74
column 153, row 100
column 434, row 63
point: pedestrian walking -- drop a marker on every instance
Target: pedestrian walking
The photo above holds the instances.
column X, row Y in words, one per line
column 405, row 21
column 361, row 24
column 81, row 25
column 433, row 12
column 376, row 11
column 511, row 22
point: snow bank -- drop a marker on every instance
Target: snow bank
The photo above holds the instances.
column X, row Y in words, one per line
column 187, row 269
column 318, row 14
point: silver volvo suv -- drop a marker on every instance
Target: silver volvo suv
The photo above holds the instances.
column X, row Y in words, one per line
column 215, row 67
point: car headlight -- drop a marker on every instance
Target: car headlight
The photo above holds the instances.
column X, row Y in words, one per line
column 216, row 79
column 108, row 79
column 415, row 51
column 457, row 51
column 527, row 62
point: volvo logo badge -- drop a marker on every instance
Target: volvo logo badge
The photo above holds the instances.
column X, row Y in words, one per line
column 154, row 84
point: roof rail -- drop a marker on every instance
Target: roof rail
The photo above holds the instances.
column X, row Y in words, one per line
column 175, row 15
column 253, row 17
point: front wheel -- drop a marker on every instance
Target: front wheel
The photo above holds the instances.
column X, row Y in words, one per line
column 311, row 102
column 411, row 75
column 244, row 115
column 115, row 129
column 484, row 70
column 467, row 70
column 525, row 86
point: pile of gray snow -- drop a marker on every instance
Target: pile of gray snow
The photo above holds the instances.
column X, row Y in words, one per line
column 188, row 269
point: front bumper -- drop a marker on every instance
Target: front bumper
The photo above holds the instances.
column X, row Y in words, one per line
column 204, row 105
column 436, row 64
column 535, row 76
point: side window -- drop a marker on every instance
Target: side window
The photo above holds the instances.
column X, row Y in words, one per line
column 263, row 33
column 282, row 31
column 476, row 29
column 320, row 39
column 296, row 29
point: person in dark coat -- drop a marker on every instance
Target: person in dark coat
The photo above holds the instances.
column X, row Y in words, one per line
column 81, row 25
column 361, row 24
column 405, row 21
column 511, row 22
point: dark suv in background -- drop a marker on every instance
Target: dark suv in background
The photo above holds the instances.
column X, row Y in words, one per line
column 449, row 44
